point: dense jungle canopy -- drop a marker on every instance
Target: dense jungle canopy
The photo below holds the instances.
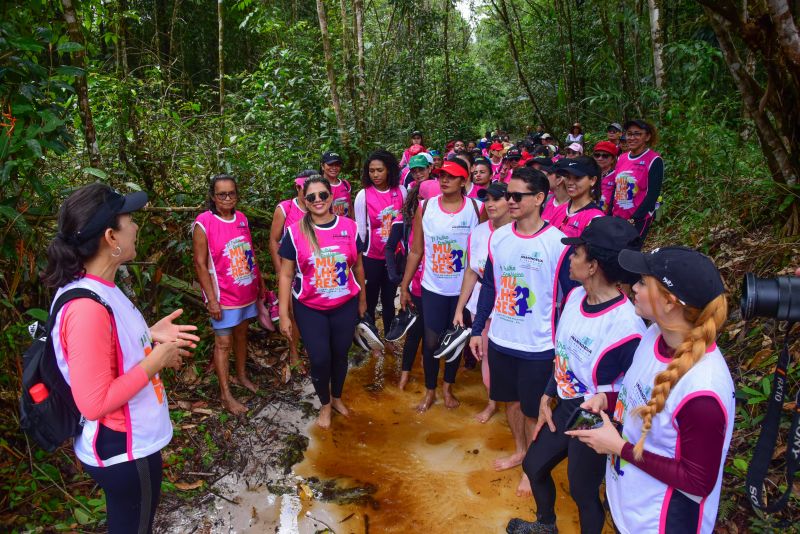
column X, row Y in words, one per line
column 159, row 95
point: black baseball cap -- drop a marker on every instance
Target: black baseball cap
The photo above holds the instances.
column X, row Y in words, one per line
column 686, row 273
column 545, row 164
column 614, row 126
column 573, row 167
column 496, row 189
column 416, row 133
column 115, row 204
column 609, row 233
column 514, row 153
column 640, row 123
column 331, row 157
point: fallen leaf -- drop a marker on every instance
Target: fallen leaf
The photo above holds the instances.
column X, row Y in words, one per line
column 204, row 411
column 186, row 486
column 758, row 358
column 287, row 373
column 307, row 491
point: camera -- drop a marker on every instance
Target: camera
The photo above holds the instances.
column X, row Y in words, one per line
column 778, row 297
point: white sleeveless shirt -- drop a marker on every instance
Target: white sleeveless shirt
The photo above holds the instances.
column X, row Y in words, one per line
column 583, row 339
column 446, row 236
column 478, row 252
column 147, row 420
column 639, row 502
column 526, row 287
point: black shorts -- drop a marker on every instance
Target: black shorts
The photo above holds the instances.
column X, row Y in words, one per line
column 513, row 379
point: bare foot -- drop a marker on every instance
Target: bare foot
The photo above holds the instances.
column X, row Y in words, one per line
column 524, row 488
column 403, row 380
column 501, row 464
column 233, row 405
column 427, row 401
column 487, row 412
column 294, row 360
column 340, row 407
column 450, row 400
column 244, row 382
column 324, row 417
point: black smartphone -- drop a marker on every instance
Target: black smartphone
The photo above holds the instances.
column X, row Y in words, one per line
column 584, row 420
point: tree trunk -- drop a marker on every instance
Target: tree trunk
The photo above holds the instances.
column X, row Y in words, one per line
column 171, row 40
column 657, row 38
column 788, row 36
column 502, row 13
column 448, row 98
column 358, row 12
column 326, row 49
column 82, row 89
column 221, row 56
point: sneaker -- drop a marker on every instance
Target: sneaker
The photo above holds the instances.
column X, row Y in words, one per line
column 520, row 526
column 453, row 341
column 272, row 306
column 369, row 332
column 360, row 341
column 401, row 324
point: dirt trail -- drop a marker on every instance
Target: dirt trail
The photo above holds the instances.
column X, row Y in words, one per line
column 388, row 469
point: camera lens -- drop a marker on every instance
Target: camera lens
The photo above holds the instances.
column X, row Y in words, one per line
column 778, row 298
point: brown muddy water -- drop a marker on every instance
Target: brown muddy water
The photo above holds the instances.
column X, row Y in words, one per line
column 428, row 472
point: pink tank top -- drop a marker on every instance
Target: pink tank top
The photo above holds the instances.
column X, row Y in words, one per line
column 630, row 185
column 550, row 207
column 607, row 190
column 233, row 269
column 291, row 211
column 473, row 193
column 383, row 208
column 572, row 224
column 341, row 199
column 326, row 277
column 416, row 283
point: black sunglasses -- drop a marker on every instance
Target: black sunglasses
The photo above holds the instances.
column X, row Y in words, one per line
column 226, row 195
column 323, row 196
column 516, row 196
column 602, row 155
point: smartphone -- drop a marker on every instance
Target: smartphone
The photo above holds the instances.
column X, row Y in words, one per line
column 584, row 420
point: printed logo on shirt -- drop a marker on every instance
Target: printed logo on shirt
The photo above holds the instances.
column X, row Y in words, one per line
column 531, row 261
column 330, row 272
column 569, row 384
column 158, row 385
column 340, row 207
column 515, row 299
column 386, row 216
column 448, row 257
column 240, row 255
column 626, row 188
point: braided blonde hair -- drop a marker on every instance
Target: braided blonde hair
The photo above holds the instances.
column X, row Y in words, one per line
column 705, row 326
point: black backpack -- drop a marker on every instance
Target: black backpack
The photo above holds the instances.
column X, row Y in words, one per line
column 56, row 419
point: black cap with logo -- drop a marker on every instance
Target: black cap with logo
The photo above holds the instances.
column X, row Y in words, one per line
column 331, row 157
column 574, row 167
column 686, row 273
column 495, row 189
column 514, row 153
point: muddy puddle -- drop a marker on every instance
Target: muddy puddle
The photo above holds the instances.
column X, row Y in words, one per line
column 408, row 472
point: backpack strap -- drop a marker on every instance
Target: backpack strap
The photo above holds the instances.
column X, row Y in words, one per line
column 475, row 207
column 68, row 295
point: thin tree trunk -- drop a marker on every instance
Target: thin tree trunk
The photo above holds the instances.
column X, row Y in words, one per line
column 788, row 36
column 221, row 56
column 171, row 39
column 346, row 58
column 326, row 49
column 82, row 89
column 358, row 11
column 447, row 89
column 657, row 38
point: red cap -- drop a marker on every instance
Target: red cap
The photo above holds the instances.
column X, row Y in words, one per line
column 413, row 150
column 38, row 393
column 454, row 169
column 496, row 146
column 606, row 146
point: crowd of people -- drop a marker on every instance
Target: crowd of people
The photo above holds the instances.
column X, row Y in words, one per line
column 524, row 257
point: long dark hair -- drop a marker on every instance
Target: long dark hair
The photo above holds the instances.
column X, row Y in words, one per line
column 392, row 167
column 306, row 224
column 210, row 203
column 411, row 204
column 65, row 260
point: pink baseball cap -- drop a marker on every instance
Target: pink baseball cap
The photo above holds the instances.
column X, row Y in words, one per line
column 429, row 189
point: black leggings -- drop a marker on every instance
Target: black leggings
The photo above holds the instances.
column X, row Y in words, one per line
column 132, row 490
column 327, row 336
column 414, row 336
column 378, row 284
column 438, row 312
column 585, row 471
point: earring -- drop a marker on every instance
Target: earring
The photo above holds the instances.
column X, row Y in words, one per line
column 118, row 254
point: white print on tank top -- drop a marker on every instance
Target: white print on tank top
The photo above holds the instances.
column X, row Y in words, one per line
column 639, row 502
column 478, row 252
column 147, row 422
column 446, row 235
column 583, row 339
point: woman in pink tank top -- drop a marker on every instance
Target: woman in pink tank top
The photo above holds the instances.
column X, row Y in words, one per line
column 322, row 261
column 331, row 167
column 225, row 263
column 582, row 179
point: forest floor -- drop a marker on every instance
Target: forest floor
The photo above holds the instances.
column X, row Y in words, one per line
column 274, row 471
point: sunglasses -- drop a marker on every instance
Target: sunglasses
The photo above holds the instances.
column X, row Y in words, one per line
column 323, row 196
column 516, row 196
column 226, row 195
column 602, row 155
